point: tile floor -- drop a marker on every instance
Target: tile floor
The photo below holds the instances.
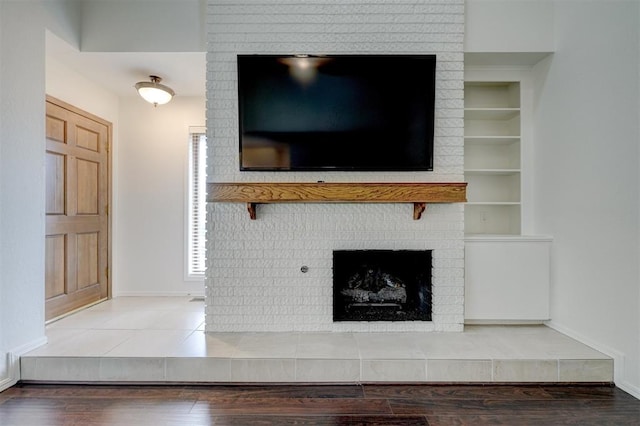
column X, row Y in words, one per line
column 162, row 339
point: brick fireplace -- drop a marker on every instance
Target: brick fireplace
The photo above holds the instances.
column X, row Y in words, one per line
column 275, row 273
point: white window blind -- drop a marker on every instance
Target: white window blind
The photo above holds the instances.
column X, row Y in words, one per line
column 197, row 205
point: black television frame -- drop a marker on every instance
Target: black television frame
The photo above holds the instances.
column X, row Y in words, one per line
column 430, row 78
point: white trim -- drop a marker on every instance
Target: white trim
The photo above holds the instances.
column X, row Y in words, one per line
column 10, row 380
column 7, row 383
column 197, row 129
column 13, row 361
column 194, row 277
column 618, row 358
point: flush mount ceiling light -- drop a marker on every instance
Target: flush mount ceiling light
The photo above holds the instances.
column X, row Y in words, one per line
column 154, row 92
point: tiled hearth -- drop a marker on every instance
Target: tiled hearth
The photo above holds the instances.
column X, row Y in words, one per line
column 161, row 339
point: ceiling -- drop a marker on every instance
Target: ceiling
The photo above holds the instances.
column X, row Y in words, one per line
column 118, row 72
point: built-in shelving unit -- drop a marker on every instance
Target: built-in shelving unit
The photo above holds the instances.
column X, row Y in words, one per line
column 420, row 194
column 506, row 267
column 492, row 165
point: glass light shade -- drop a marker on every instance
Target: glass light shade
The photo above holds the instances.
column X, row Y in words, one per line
column 154, row 92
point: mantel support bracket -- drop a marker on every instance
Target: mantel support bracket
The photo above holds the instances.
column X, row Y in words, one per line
column 418, row 209
column 251, row 208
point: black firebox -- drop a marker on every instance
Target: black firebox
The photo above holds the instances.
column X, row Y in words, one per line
column 382, row 285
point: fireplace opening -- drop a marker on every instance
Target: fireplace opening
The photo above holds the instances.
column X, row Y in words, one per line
column 382, row 285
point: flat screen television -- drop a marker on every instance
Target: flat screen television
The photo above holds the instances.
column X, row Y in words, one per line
column 336, row 112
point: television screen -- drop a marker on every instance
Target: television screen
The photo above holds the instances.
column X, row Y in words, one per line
column 336, row 112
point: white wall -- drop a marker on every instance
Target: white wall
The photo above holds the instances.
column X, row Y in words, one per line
column 22, row 142
column 152, row 161
column 587, row 182
column 4, row 362
column 21, row 179
column 508, row 26
column 68, row 85
column 63, row 17
column 143, row 26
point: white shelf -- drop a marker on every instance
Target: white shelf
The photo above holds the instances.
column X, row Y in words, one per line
column 493, row 187
column 477, row 127
column 491, row 140
column 491, row 94
column 491, row 113
column 492, row 165
column 492, row 157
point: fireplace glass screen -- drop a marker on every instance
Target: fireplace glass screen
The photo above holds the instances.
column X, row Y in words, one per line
column 382, row 285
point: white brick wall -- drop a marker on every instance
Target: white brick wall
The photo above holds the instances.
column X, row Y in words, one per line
column 254, row 282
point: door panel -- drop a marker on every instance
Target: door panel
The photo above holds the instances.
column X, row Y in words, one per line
column 56, row 129
column 88, row 138
column 77, row 223
column 55, row 178
column 87, row 179
column 87, row 248
column 55, row 249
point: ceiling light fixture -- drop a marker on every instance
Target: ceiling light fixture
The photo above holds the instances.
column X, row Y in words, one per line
column 154, row 92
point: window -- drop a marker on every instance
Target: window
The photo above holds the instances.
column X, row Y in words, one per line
column 197, row 207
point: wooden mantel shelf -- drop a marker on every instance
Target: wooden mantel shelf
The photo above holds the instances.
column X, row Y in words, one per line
column 420, row 194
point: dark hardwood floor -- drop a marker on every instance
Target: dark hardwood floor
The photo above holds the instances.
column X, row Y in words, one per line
column 31, row 404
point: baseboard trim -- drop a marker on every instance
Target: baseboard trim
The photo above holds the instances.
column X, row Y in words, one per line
column 619, row 358
column 7, row 383
column 13, row 361
column 630, row 389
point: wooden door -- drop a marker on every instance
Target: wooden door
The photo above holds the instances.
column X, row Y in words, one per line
column 77, row 206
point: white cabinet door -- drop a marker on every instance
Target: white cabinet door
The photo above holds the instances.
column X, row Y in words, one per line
column 507, row 279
